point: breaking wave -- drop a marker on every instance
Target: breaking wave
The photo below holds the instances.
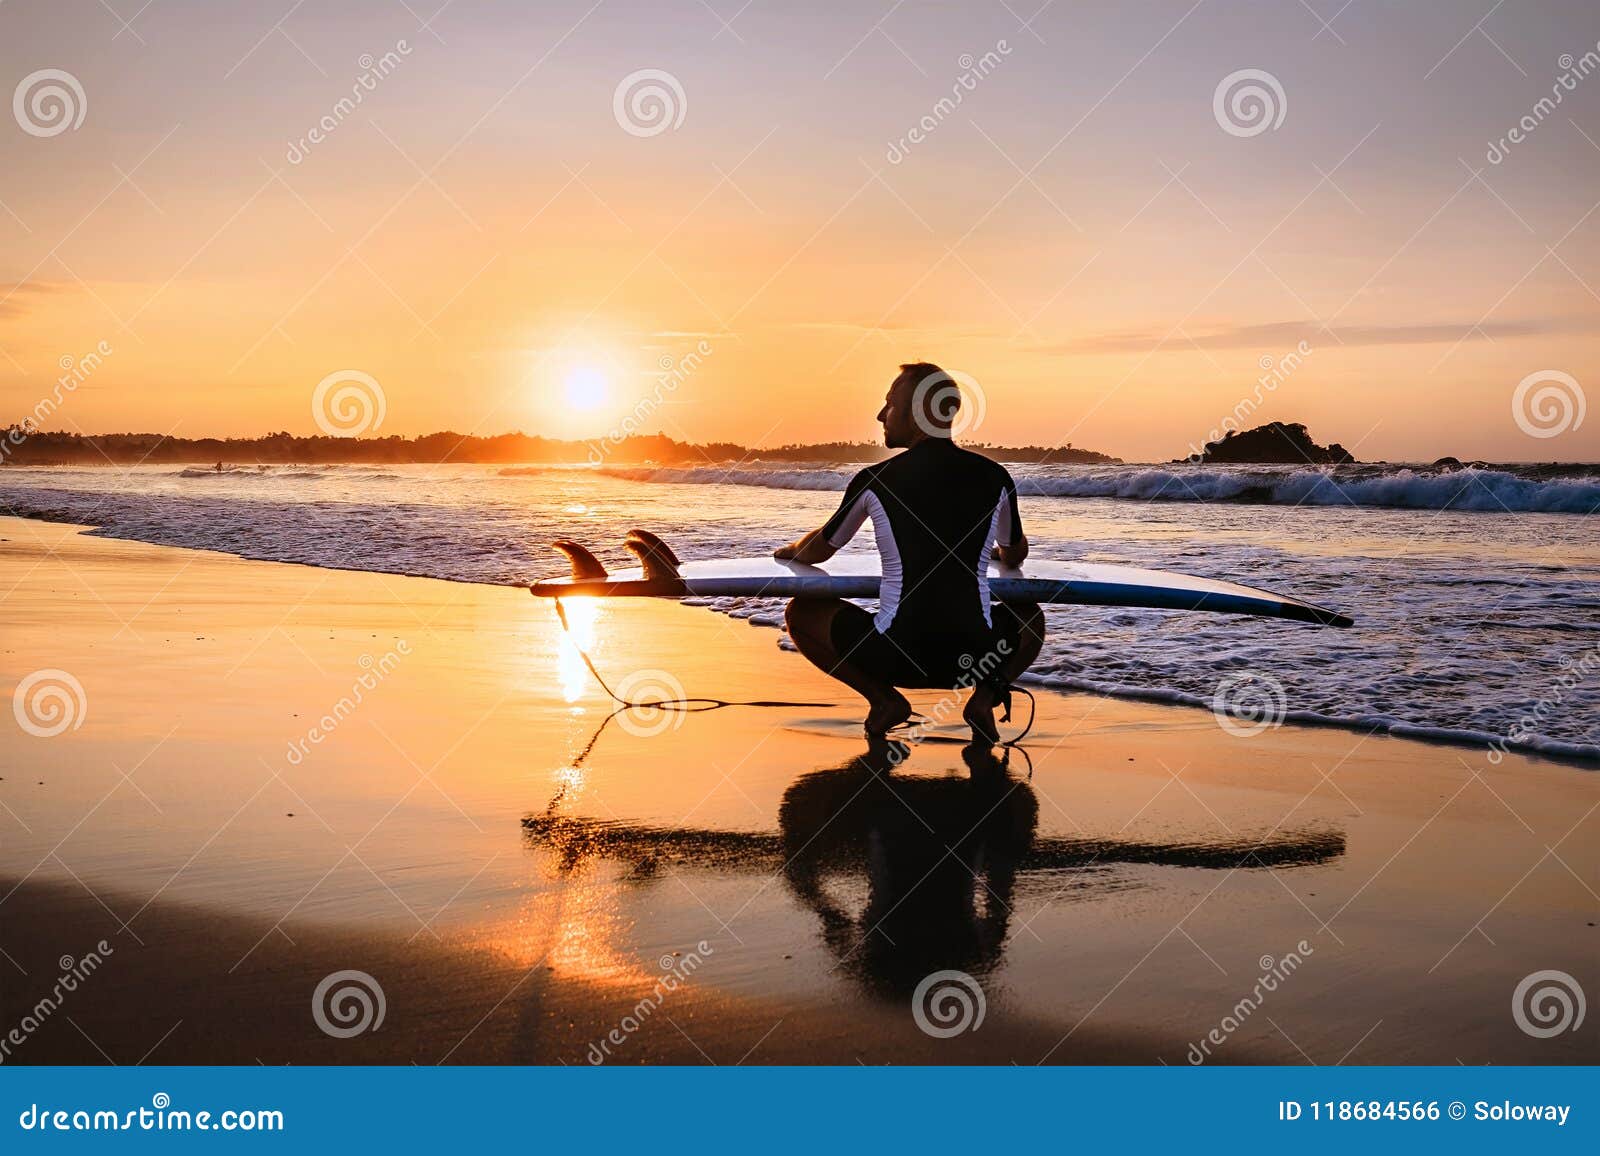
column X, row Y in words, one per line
column 1487, row 489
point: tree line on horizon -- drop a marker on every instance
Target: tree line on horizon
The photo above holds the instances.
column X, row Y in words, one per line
column 25, row 446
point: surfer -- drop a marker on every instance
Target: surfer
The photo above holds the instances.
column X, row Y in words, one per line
column 939, row 513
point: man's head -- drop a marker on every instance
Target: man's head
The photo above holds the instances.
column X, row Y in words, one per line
column 921, row 403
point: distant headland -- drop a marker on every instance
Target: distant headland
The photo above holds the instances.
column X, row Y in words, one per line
column 23, row 446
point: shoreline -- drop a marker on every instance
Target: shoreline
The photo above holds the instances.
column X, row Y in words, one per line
column 1569, row 755
column 1554, row 751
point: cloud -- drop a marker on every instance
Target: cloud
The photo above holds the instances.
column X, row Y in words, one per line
column 15, row 297
column 1279, row 333
column 861, row 327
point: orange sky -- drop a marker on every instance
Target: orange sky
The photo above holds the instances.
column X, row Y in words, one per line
column 1081, row 234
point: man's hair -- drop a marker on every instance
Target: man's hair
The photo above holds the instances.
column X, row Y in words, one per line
column 945, row 401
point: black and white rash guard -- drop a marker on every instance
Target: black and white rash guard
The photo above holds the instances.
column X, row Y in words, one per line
column 937, row 510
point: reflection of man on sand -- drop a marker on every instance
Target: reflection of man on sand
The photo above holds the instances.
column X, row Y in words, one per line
column 939, row 856
column 912, row 874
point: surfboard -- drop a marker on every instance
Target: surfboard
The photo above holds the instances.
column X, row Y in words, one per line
column 662, row 575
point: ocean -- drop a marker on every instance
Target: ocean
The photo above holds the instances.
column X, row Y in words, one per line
column 1476, row 591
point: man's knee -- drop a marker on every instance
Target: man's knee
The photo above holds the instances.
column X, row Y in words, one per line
column 1029, row 621
column 809, row 615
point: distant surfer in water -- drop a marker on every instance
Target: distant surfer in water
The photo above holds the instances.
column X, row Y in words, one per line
column 939, row 514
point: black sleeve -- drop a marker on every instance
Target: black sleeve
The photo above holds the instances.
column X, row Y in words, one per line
column 852, row 511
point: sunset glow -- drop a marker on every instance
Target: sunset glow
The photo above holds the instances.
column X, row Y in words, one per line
column 1081, row 233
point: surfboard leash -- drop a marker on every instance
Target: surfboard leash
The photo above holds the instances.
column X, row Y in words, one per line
column 1033, row 709
column 1005, row 717
column 687, row 705
column 693, row 705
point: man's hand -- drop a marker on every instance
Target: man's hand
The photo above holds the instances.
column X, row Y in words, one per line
column 810, row 550
column 1012, row 556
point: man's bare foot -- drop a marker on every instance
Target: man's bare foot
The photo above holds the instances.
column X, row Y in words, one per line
column 979, row 715
column 887, row 714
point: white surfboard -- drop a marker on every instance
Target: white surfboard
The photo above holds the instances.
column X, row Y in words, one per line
column 858, row 575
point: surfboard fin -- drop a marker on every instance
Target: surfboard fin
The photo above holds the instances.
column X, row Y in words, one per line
column 584, row 564
column 657, row 558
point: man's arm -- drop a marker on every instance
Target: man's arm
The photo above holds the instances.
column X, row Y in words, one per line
column 821, row 544
column 810, row 549
column 1011, row 544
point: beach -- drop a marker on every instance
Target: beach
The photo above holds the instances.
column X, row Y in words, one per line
column 1474, row 589
column 269, row 775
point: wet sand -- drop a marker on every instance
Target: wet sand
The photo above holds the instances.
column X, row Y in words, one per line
column 236, row 826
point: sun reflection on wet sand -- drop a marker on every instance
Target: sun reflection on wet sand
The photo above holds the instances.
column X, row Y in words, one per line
column 581, row 614
column 577, row 931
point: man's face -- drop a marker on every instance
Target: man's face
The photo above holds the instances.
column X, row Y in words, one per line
column 898, row 428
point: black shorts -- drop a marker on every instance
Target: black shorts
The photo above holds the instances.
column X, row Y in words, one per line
column 925, row 659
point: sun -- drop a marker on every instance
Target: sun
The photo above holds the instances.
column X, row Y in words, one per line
column 586, row 387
